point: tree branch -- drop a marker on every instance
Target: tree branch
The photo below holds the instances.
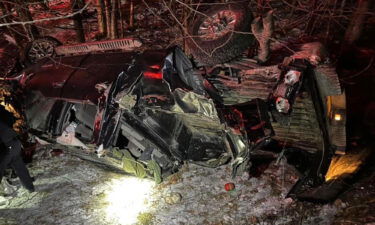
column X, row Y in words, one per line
column 46, row 19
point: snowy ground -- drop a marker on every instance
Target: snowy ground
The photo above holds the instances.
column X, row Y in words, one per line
column 73, row 191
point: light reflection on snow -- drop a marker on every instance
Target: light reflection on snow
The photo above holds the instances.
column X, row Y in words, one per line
column 127, row 198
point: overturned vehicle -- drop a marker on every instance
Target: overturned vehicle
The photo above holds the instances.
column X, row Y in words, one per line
column 145, row 107
column 149, row 112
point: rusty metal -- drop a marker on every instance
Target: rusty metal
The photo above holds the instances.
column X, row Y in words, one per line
column 125, row 44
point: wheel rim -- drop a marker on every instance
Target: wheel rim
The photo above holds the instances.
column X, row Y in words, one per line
column 40, row 50
column 217, row 25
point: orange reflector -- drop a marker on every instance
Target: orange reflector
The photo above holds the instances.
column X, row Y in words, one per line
column 337, row 117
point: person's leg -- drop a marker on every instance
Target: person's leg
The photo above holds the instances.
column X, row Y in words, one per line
column 1, row 172
column 5, row 161
column 2, row 192
column 19, row 166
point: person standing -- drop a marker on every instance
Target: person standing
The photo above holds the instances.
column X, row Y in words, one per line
column 11, row 157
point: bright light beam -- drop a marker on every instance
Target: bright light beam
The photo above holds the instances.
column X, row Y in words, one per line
column 127, row 198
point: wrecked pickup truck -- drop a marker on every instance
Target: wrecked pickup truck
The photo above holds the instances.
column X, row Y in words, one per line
column 156, row 108
column 150, row 106
column 148, row 112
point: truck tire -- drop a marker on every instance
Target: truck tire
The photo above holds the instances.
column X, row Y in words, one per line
column 220, row 34
column 41, row 48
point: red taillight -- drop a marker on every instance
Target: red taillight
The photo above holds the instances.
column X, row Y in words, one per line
column 153, row 75
column 156, row 67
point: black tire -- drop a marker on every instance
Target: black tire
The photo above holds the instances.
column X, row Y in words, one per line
column 227, row 46
column 41, row 48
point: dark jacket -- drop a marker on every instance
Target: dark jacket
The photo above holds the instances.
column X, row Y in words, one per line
column 7, row 120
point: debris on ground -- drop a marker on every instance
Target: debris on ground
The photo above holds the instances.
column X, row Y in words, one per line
column 194, row 195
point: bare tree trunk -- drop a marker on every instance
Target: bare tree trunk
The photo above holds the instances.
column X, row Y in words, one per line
column 25, row 15
column 77, row 20
column 102, row 26
column 263, row 30
column 32, row 28
column 121, row 18
column 114, row 26
column 107, row 4
column 131, row 16
column 17, row 37
column 354, row 30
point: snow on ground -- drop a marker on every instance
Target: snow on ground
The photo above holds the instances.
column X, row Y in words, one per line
column 254, row 201
column 65, row 190
column 73, row 191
